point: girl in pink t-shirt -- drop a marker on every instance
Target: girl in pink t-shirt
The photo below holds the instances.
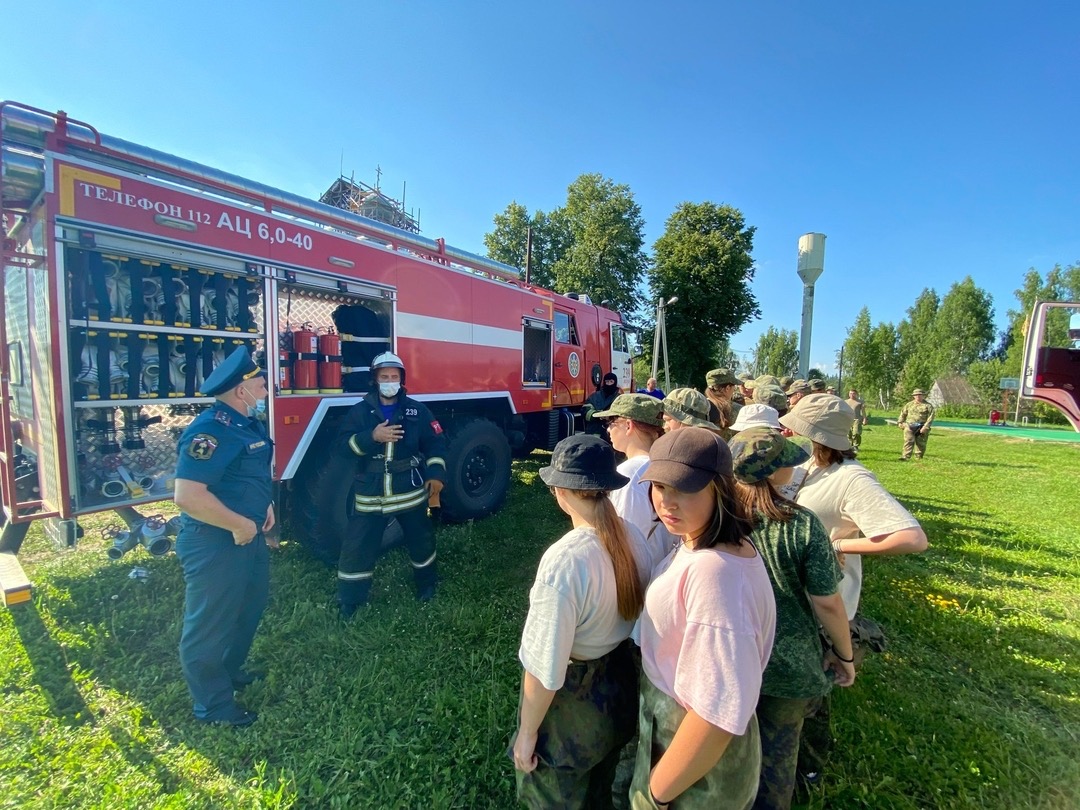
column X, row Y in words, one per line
column 706, row 634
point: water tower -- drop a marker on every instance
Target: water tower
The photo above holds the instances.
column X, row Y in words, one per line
column 811, row 266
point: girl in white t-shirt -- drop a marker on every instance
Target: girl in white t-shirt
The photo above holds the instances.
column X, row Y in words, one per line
column 706, row 634
column 579, row 691
column 633, row 423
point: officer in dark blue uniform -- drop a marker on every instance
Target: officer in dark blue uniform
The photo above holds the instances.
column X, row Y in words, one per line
column 223, row 487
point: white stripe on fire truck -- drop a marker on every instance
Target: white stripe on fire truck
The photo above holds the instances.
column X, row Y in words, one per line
column 444, row 330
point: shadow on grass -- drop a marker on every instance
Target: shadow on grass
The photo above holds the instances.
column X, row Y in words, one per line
column 50, row 666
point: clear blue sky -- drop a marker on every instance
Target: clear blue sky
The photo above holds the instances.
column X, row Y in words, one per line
column 928, row 140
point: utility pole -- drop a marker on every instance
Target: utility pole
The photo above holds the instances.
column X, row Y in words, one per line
column 660, row 340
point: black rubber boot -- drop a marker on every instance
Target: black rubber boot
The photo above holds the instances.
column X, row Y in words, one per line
column 426, row 579
column 352, row 595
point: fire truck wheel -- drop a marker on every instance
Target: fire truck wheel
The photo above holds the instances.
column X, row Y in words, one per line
column 477, row 471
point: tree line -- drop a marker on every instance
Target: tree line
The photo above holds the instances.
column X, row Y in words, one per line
column 951, row 335
column 594, row 243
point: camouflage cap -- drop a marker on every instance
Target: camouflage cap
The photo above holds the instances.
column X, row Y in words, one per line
column 766, row 379
column 772, row 396
column 747, row 380
column 786, row 381
column 823, row 418
column 817, row 385
column 689, row 406
column 759, row 452
column 636, row 407
column 721, row 376
column 798, row 387
column 918, row 391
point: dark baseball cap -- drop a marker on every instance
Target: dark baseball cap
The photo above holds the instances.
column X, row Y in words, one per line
column 688, row 459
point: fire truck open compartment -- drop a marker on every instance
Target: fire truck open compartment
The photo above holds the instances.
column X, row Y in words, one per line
column 130, row 274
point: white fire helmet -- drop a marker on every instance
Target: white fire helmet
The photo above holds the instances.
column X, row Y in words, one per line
column 387, row 360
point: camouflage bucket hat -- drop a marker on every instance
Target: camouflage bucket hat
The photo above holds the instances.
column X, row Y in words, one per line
column 822, row 418
column 689, row 406
column 637, row 407
column 798, row 387
column 721, row 376
column 918, row 391
column 817, row 386
column 759, row 452
column 772, row 396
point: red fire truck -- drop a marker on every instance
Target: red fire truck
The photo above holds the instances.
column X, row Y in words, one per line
column 129, row 273
column 1051, row 371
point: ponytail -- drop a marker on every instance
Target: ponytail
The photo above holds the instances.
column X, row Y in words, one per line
column 612, row 532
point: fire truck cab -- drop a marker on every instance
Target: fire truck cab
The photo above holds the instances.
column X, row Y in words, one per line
column 1051, row 371
column 128, row 274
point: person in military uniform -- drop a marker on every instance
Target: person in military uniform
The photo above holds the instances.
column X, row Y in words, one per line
column 721, row 387
column 223, row 489
column 859, row 407
column 773, row 396
column 687, row 407
column 817, row 386
column 745, row 392
column 600, row 401
column 399, row 448
column 915, row 419
column 796, row 391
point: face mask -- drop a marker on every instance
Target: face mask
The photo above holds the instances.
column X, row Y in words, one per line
column 255, row 406
column 389, row 389
column 260, row 409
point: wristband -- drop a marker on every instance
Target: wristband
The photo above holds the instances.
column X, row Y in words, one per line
column 838, row 655
column 836, row 546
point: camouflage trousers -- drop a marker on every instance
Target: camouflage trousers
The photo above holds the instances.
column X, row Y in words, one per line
column 914, row 440
column 855, row 434
column 816, row 743
column 781, row 723
column 733, row 781
column 590, row 719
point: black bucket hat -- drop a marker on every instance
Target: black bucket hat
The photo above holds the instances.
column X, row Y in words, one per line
column 583, row 462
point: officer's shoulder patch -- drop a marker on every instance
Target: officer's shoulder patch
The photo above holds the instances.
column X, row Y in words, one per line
column 202, row 446
column 224, row 418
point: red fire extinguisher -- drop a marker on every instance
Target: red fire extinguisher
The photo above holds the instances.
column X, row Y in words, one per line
column 330, row 363
column 305, row 360
column 285, row 363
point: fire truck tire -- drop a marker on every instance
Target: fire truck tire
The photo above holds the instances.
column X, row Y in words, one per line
column 477, row 471
column 321, row 517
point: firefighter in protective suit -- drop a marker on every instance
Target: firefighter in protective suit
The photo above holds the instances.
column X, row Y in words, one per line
column 399, row 447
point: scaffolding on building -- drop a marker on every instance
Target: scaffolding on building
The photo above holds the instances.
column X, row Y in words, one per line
column 371, row 202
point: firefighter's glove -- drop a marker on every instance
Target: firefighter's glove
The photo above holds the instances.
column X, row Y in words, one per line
column 433, row 487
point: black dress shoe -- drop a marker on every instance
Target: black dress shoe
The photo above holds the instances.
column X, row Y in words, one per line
column 237, row 719
column 246, row 678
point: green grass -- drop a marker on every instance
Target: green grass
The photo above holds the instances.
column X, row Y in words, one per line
column 975, row 704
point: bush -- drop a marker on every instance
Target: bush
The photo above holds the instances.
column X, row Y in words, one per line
column 962, row 412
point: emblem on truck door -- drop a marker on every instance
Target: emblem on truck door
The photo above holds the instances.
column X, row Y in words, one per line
column 573, row 364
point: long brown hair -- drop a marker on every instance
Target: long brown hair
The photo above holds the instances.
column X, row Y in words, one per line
column 762, row 500
column 612, row 533
column 828, row 456
column 731, row 522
